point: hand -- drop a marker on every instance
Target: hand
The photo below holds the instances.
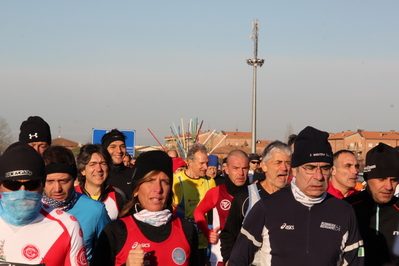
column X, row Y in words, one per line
column 214, row 235
column 135, row 257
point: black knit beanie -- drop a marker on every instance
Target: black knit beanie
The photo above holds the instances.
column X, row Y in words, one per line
column 20, row 161
column 152, row 160
column 311, row 145
column 381, row 161
column 112, row 136
column 35, row 129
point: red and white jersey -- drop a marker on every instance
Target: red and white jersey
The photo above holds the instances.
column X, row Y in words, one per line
column 54, row 238
column 111, row 203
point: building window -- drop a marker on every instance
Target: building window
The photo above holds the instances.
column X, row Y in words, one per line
column 370, row 145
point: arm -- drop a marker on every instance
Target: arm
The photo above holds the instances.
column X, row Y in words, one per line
column 250, row 238
column 110, row 242
column 354, row 250
column 192, row 237
column 206, row 204
column 77, row 252
column 233, row 224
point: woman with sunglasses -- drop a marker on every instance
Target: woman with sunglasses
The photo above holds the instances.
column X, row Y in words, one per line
column 148, row 233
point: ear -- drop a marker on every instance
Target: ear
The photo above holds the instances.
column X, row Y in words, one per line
column 83, row 172
column 263, row 166
column 334, row 170
column 293, row 169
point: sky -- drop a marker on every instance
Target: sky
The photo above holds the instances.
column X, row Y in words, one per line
column 139, row 65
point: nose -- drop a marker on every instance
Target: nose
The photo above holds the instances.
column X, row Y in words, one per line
column 388, row 184
column 354, row 170
column 157, row 187
column 57, row 187
column 284, row 167
column 318, row 175
column 98, row 167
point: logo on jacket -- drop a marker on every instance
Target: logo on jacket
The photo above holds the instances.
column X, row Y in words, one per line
column 287, row 226
column 225, row 205
column 30, row 252
column 179, row 256
column 330, row 226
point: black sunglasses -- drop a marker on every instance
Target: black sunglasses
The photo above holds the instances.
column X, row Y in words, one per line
column 255, row 162
column 15, row 185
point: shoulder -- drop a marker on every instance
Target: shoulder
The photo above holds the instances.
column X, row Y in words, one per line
column 89, row 204
column 64, row 219
column 357, row 198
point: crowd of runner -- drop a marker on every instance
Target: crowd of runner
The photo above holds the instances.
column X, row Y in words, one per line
column 297, row 203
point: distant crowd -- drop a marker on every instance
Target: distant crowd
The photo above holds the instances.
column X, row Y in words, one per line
column 297, row 203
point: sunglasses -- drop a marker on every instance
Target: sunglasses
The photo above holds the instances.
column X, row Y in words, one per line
column 255, row 162
column 16, row 185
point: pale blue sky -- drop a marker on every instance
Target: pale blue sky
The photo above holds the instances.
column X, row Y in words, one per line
column 147, row 64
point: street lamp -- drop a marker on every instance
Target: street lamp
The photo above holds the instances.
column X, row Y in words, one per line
column 255, row 62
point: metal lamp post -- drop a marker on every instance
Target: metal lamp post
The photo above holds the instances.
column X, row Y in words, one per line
column 255, row 62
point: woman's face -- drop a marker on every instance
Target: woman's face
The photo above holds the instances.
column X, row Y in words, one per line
column 154, row 192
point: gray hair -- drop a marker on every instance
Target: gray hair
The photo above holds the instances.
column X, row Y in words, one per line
column 275, row 146
column 197, row 147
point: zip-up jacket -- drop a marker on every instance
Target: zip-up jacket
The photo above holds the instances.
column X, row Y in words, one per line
column 379, row 227
column 286, row 232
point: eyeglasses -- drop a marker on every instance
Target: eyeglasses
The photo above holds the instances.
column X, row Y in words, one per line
column 255, row 162
column 312, row 169
column 16, row 185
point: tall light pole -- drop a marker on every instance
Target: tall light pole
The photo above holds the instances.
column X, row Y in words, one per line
column 255, row 62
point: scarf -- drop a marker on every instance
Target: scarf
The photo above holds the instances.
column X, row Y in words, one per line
column 64, row 205
column 153, row 218
column 302, row 198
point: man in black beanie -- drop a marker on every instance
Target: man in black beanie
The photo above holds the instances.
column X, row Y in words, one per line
column 36, row 132
column 120, row 176
column 302, row 224
column 377, row 209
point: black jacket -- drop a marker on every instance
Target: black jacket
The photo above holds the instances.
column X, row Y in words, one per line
column 379, row 227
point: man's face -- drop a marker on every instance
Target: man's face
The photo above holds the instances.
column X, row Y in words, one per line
column 237, row 169
column 58, row 186
column 117, row 150
column 199, row 164
column 39, row 146
column 344, row 173
column 253, row 164
column 277, row 169
column 382, row 189
column 312, row 178
column 30, row 185
column 96, row 171
column 212, row 171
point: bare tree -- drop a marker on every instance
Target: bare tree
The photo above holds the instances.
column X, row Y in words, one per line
column 5, row 135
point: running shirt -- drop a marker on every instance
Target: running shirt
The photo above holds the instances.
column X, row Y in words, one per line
column 111, row 203
column 188, row 193
column 173, row 251
column 54, row 238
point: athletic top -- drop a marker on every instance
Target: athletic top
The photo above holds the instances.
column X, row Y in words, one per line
column 286, row 232
column 54, row 238
column 113, row 198
column 92, row 217
column 188, row 193
column 379, row 227
column 173, row 251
